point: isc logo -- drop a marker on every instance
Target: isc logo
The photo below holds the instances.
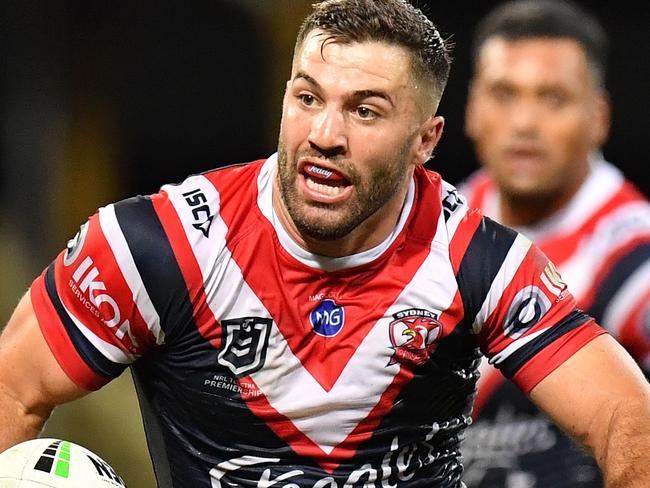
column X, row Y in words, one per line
column 327, row 318
column 200, row 210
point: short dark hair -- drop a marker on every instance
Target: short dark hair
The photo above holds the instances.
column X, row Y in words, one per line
column 521, row 19
column 393, row 21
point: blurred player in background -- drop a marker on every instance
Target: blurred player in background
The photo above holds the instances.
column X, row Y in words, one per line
column 538, row 114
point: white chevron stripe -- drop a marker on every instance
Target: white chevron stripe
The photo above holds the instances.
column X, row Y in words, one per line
column 291, row 389
column 325, row 417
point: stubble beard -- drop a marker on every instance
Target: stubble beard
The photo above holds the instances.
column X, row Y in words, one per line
column 330, row 224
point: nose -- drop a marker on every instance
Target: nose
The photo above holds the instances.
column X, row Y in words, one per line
column 525, row 116
column 328, row 132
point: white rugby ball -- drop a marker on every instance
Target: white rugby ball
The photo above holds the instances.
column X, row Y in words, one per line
column 55, row 463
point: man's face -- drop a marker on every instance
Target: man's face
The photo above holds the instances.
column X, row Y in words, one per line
column 535, row 114
column 349, row 138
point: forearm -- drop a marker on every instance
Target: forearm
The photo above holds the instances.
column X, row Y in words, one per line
column 18, row 422
column 600, row 397
column 625, row 456
column 31, row 381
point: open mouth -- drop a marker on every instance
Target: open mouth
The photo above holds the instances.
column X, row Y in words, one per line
column 323, row 180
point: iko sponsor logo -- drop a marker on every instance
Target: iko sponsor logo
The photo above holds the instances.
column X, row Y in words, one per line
column 203, row 217
column 414, row 334
column 527, row 309
column 74, row 246
column 327, row 318
column 91, row 292
column 245, row 343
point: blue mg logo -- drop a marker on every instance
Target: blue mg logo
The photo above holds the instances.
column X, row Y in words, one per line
column 327, row 318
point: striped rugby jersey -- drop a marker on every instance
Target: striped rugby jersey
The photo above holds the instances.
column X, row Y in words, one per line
column 259, row 364
column 600, row 243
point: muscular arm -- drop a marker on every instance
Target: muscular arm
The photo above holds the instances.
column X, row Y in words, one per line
column 601, row 398
column 31, row 381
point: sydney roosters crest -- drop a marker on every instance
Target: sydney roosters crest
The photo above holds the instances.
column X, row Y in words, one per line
column 414, row 334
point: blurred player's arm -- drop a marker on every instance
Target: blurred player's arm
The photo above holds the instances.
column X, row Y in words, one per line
column 31, row 381
column 601, row 398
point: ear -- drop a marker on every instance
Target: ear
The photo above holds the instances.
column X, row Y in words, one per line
column 428, row 138
column 602, row 118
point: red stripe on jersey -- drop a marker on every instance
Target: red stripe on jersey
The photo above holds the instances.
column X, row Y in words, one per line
column 463, row 236
column 364, row 292
column 449, row 317
column 207, row 324
column 556, row 353
column 366, row 428
column 59, row 342
column 96, row 277
column 303, row 445
column 281, row 425
column 528, row 274
column 562, row 247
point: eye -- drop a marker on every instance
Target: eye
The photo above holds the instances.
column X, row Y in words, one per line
column 307, row 99
column 502, row 94
column 365, row 113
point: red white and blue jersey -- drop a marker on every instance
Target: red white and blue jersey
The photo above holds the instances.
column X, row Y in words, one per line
column 259, row 364
column 600, row 242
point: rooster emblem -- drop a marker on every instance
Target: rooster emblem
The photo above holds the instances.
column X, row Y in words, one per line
column 414, row 334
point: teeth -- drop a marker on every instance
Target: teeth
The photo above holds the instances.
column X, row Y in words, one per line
column 325, row 189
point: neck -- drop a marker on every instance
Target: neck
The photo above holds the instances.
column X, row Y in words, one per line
column 527, row 209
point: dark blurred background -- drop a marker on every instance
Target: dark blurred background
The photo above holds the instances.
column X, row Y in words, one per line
column 103, row 100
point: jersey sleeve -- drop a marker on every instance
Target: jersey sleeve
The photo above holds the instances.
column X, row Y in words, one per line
column 95, row 303
column 621, row 299
column 524, row 317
